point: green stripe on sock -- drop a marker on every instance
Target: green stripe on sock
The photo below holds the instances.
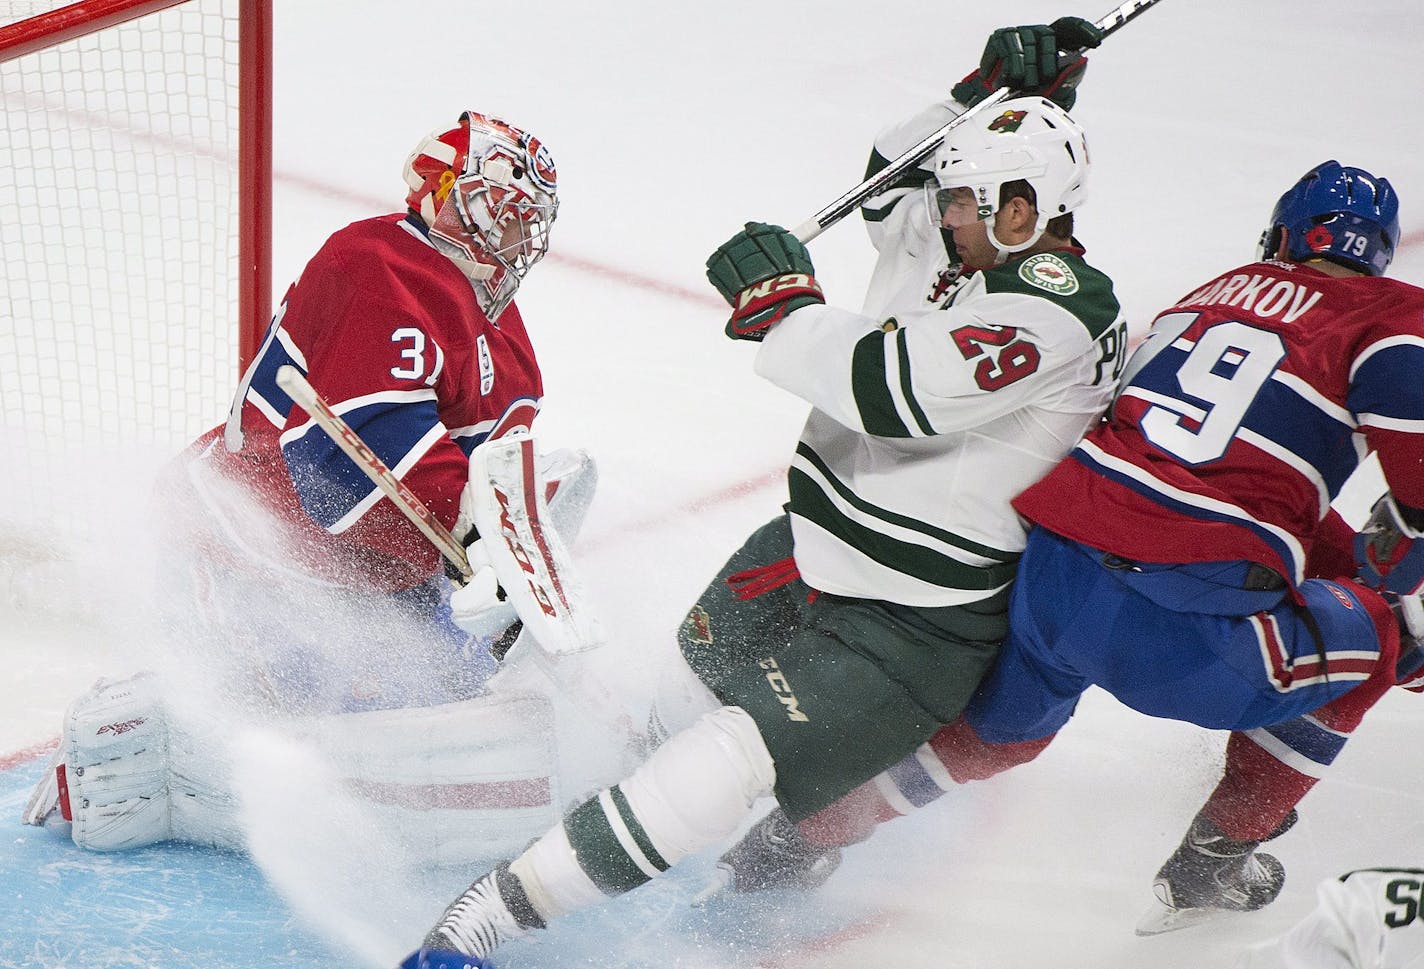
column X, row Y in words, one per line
column 598, row 850
column 636, row 829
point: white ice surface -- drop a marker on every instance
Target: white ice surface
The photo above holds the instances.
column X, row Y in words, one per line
column 673, row 123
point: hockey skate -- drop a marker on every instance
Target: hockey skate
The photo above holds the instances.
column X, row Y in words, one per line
column 488, row 914
column 1210, row 874
column 773, row 854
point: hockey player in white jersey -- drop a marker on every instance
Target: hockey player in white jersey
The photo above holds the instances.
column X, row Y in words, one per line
column 1367, row 919
column 846, row 631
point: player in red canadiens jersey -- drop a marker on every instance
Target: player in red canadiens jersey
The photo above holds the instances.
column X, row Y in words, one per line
column 1185, row 557
column 405, row 325
column 303, row 592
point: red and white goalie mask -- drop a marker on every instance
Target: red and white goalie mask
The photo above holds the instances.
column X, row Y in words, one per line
column 488, row 194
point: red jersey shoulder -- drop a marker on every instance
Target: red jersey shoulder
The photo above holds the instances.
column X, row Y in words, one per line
column 1287, row 293
column 386, row 265
column 381, row 281
column 1325, row 321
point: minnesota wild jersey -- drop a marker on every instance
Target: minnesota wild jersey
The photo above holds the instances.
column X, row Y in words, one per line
column 934, row 406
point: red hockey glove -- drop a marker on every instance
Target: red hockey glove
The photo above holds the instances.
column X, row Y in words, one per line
column 764, row 272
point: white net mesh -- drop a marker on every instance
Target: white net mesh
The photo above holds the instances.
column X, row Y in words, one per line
column 118, row 245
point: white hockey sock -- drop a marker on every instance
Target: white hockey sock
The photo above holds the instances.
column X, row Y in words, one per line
column 691, row 794
column 550, row 873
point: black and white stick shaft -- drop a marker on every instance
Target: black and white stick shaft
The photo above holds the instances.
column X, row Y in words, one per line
column 891, row 173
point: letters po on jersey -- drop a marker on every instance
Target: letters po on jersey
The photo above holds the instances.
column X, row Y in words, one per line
column 388, row 331
column 1242, row 415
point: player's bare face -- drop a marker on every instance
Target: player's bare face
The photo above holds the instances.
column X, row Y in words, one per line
column 960, row 215
column 514, row 241
column 1013, row 224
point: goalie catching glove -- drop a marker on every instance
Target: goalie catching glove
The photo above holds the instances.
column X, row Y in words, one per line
column 1042, row 59
column 765, row 273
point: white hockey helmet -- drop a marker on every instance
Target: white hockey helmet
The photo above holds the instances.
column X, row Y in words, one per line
column 1031, row 139
column 488, row 193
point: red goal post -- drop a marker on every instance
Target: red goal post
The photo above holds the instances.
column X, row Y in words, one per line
column 135, row 237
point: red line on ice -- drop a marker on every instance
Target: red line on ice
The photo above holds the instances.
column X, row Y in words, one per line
column 26, row 754
column 593, row 267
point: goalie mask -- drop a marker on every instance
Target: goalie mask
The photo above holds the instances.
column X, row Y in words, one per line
column 1029, row 139
column 488, row 194
column 1345, row 215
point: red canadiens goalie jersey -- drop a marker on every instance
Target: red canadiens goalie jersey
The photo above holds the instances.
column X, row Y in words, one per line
column 1242, row 415
column 389, row 332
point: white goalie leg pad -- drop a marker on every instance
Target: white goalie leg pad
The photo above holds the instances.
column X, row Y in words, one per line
column 133, row 779
column 453, row 784
column 570, row 477
column 691, row 794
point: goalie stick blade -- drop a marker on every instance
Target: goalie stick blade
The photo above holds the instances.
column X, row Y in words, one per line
column 718, row 882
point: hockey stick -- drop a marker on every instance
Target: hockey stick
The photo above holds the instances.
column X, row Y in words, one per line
column 297, row 387
column 530, row 560
column 891, row 173
column 543, row 599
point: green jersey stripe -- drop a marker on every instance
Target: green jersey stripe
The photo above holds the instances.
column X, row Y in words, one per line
column 903, row 352
column 809, row 499
column 930, row 531
column 913, row 179
column 870, row 385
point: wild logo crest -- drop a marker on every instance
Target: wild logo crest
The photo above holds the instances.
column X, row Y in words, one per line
column 1047, row 271
column 1008, row 122
column 699, row 626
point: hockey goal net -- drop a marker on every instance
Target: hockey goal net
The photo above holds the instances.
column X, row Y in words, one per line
column 134, row 229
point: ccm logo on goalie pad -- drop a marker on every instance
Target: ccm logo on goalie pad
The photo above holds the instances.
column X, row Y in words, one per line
column 776, row 284
column 777, row 680
column 521, row 555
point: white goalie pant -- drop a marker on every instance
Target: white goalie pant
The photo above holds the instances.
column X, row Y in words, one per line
column 451, row 784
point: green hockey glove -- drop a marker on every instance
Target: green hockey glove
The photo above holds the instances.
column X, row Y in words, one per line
column 764, row 273
column 1042, row 59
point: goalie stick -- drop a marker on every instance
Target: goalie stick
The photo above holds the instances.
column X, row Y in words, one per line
column 1109, row 23
column 529, row 558
column 297, row 387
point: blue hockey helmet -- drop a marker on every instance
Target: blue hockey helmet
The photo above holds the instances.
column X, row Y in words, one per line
column 1345, row 215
